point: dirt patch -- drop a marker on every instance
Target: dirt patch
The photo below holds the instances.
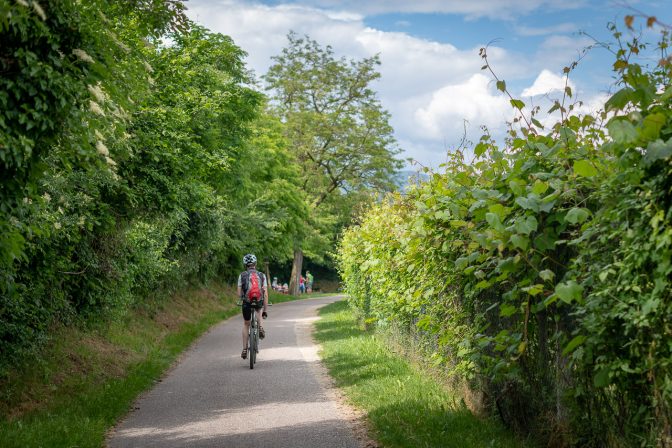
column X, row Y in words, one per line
column 357, row 419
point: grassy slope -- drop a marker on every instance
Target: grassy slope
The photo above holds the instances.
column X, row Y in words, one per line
column 406, row 407
column 88, row 378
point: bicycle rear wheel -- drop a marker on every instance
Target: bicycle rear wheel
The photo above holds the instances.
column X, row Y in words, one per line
column 252, row 352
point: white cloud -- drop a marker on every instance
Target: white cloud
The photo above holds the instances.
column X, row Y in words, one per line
column 560, row 51
column 428, row 87
column 494, row 9
column 547, row 82
column 475, row 101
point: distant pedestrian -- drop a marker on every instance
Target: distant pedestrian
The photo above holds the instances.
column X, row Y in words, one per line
column 309, row 282
column 302, row 284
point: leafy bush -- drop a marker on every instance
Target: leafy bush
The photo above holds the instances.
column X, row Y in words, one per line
column 129, row 167
column 540, row 271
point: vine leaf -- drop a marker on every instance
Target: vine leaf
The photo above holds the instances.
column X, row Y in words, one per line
column 569, row 291
column 578, row 340
column 601, row 378
column 577, row 215
column 584, row 168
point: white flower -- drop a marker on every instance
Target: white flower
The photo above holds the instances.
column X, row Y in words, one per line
column 148, row 67
column 98, row 135
column 82, row 55
column 102, row 149
column 110, row 162
column 60, row 210
column 23, row 3
column 97, row 92
column 39, row 11
column 46, row 197
column 57, row 225
column 81, row 221
column 119, row 43
column 95, row 108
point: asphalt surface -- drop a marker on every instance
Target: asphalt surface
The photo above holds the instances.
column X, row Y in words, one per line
column 213, row 399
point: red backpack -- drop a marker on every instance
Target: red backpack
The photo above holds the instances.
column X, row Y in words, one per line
column 251, row 283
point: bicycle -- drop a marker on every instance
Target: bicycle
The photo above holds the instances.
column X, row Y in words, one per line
column 253, row 334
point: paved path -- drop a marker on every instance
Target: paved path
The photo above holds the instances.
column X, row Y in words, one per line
column 213, row 399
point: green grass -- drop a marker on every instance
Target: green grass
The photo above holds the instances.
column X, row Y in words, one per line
column 87, row 379
column 405, row 407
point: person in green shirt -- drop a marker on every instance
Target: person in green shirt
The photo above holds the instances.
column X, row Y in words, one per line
column 309, row 281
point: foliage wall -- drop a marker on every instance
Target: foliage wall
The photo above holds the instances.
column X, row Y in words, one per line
column 135, row 155
column 541, row 270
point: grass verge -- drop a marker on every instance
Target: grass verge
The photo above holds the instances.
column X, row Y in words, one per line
column 88, row 378
column 405, row 406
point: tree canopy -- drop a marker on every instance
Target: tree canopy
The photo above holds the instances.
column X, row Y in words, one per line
column 336, row 127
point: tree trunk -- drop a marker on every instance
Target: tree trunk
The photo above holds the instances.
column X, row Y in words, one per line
column 296, row 272
column 268, row 277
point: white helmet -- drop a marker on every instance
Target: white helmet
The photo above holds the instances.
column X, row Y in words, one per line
column 249, row 259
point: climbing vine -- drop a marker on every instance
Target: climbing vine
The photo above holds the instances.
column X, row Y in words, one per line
column 540, row 270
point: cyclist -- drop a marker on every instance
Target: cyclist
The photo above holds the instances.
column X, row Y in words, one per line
column 250, row 262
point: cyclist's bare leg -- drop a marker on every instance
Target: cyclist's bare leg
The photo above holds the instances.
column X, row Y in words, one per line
column 262, row 333
column 246, row 329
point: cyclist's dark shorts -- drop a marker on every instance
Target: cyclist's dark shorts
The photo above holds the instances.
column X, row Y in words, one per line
column 248, row 307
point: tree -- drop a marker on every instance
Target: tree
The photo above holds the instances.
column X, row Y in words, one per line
column 337, row 127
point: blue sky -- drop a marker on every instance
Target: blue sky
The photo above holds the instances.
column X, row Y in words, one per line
column 431, row 78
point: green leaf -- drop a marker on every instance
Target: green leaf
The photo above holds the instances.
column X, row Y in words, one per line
column 499, row 210
column 506, row 310
column 539, row 187
column 658, row 150
column 622, row 131
column 494, row 221
column 534, row 290
column 480, row 149
column 547, row 275
column 520, row 241
column 555, row 107
column 584, row 168
column 577, row 215
column 501, row 85
column 601, row 378
column 652, row 125
column 528, row 203
column 545, row 241
column 461, row 263
column 569, row 291
column 517, row 104
column 666, row 95
column 619, row 99
column 578, row 340
column 526, row 225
